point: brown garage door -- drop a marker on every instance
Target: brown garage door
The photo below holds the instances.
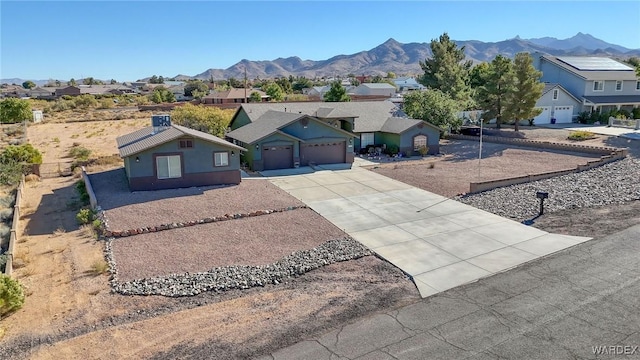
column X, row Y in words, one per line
column 277, row 157
column 324, row 153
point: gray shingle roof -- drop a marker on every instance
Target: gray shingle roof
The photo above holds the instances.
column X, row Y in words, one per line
column 263, row 126
column 144, row 139
column 593, row 74
column 615, row 99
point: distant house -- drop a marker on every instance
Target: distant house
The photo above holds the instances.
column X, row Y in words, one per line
column 317, row 92
column 78, row 90
column 42, row 92
column 406, row 83
column 557, row 104
column 599, row 83
column 374, row 89
column 15, row 91
column 167, row 156
column 233, row 96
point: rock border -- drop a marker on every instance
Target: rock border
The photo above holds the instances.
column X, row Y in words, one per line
column 225, row 278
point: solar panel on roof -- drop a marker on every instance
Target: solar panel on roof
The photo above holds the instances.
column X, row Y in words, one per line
column 593, row 63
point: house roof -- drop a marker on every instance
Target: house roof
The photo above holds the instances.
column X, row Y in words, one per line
column 234, row 94
column 550, row 86
column 598, row 74
column 615, row 99
column 144, row 139
column 378, row 86
column 396, row 125
column 271, row 122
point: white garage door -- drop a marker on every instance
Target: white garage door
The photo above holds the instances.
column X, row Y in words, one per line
column 563, row 114
column 544, row 117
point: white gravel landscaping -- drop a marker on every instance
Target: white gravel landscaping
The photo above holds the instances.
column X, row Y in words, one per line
column 614, row 183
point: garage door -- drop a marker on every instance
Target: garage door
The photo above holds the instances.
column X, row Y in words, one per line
column 323, row 153
column 277, row 157
column 563, row 114
column 544, row 117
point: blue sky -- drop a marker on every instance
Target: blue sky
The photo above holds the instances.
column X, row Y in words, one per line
column 128, row 40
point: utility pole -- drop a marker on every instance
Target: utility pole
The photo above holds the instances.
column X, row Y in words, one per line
column 245, row 85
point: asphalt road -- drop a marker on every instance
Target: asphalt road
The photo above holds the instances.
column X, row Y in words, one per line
column 580, row 303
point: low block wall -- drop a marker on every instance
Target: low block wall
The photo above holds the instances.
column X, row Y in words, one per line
column 92, row 195
column 13, row 238
column 607, row 155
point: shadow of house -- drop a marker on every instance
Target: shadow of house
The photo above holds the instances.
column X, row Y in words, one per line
column 112, row 190
column 54, row 212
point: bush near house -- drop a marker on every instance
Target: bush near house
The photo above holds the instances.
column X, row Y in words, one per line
column 581, row 135
column 11, row 295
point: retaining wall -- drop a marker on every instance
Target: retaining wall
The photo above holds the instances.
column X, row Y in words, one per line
column 92, row 195
column 13, row 239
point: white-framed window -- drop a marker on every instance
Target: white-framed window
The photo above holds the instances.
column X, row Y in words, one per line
column 598, row 85
column 168, row 167
column 618, row 85
column 367, row 139
column 419, row 141
column 555, row 94
column 221, row 158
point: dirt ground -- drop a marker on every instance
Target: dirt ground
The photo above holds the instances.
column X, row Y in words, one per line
column 70, row 312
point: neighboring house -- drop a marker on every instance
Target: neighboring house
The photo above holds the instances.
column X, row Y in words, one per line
column 317, row 92
column 43, row 92
column 374, row 89
column 14, row 91
column 599, row 83
column 367, row 122
column 281, row 140
column 233, row 96
column 407, row 84
column 558, row 104
column 94, row 90
column 178, row 92
column 168, row 156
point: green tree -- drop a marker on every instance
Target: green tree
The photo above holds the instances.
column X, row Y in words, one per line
column 255, row 97
column 433, row 106
column 285, row 85
column 391, row 75
column 72, row 82
column 447, row 70
column 113, row 82
column 156, row 80
column 209, row 119
column 235, row 83
column 274, row 91
column 497, row 83
column 526, row 90
column 337, row 93
column 301, row 83
column 478, row 74
column 14, row 110
column 11, row 295
column 89, row 81
column 195, row 85
column 28, row 84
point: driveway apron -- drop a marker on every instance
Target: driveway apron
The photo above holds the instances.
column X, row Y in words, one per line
column 440, row 243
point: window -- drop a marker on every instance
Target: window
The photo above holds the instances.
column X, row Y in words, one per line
column 366, row 139
column 618, row 85
column 637, row 85
column 168, row 167
column 221, row 159
column 598, row 86
column 555, row 94
column 419, row 141
column 186, row 144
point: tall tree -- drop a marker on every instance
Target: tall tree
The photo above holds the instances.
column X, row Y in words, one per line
column 274, row 91
column 301, row 83
column 209, row 119
column 492, row 95
column 113, row 82
column 337, row 93
column 285, row 84
column 447, row 70
column 28, row 84
column 255, row 97
column 433, row 106
column 195, row 85
column 72, row 82
column 526, row 90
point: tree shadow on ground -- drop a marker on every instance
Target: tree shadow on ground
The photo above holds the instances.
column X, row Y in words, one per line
column 56, row 212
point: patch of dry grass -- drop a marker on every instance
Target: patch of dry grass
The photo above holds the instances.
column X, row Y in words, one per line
column 99, row 267
column 59, row 231
column 88, row 231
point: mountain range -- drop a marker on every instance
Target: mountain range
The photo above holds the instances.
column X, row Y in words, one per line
column 403, row 59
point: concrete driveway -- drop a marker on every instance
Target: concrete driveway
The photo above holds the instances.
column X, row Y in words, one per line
column 439, row 242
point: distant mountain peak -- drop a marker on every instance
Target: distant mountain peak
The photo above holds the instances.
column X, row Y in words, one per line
column 391, row 41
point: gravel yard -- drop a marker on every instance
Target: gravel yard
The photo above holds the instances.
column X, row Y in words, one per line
column 259, row 240
column 452, row 174
column 129, row 210
column 614, row 183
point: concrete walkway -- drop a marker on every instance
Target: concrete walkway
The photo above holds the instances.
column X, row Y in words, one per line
column 439, row 242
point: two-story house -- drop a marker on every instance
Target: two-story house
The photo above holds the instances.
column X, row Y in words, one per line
column 601, row 84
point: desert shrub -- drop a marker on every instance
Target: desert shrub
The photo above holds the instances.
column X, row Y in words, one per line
column 84, row 216
column 105, row 104
column 392, row 149
column 5, row 214
column 99, row 267
column 423, row 150
column 25, row 153
column 79, row 152
column 636, row 112
column 3, row 262
column 81, row 187
column 96, row 223
column 10, row 173
column 11, row 295
column 4, row 230
column 581, row 135
column 85, row 101
column 67, row 97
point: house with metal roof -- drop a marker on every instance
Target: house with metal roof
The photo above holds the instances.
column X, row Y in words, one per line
column 341, row 129
column 374, row 89
column 600, row 83
column 165, row 156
